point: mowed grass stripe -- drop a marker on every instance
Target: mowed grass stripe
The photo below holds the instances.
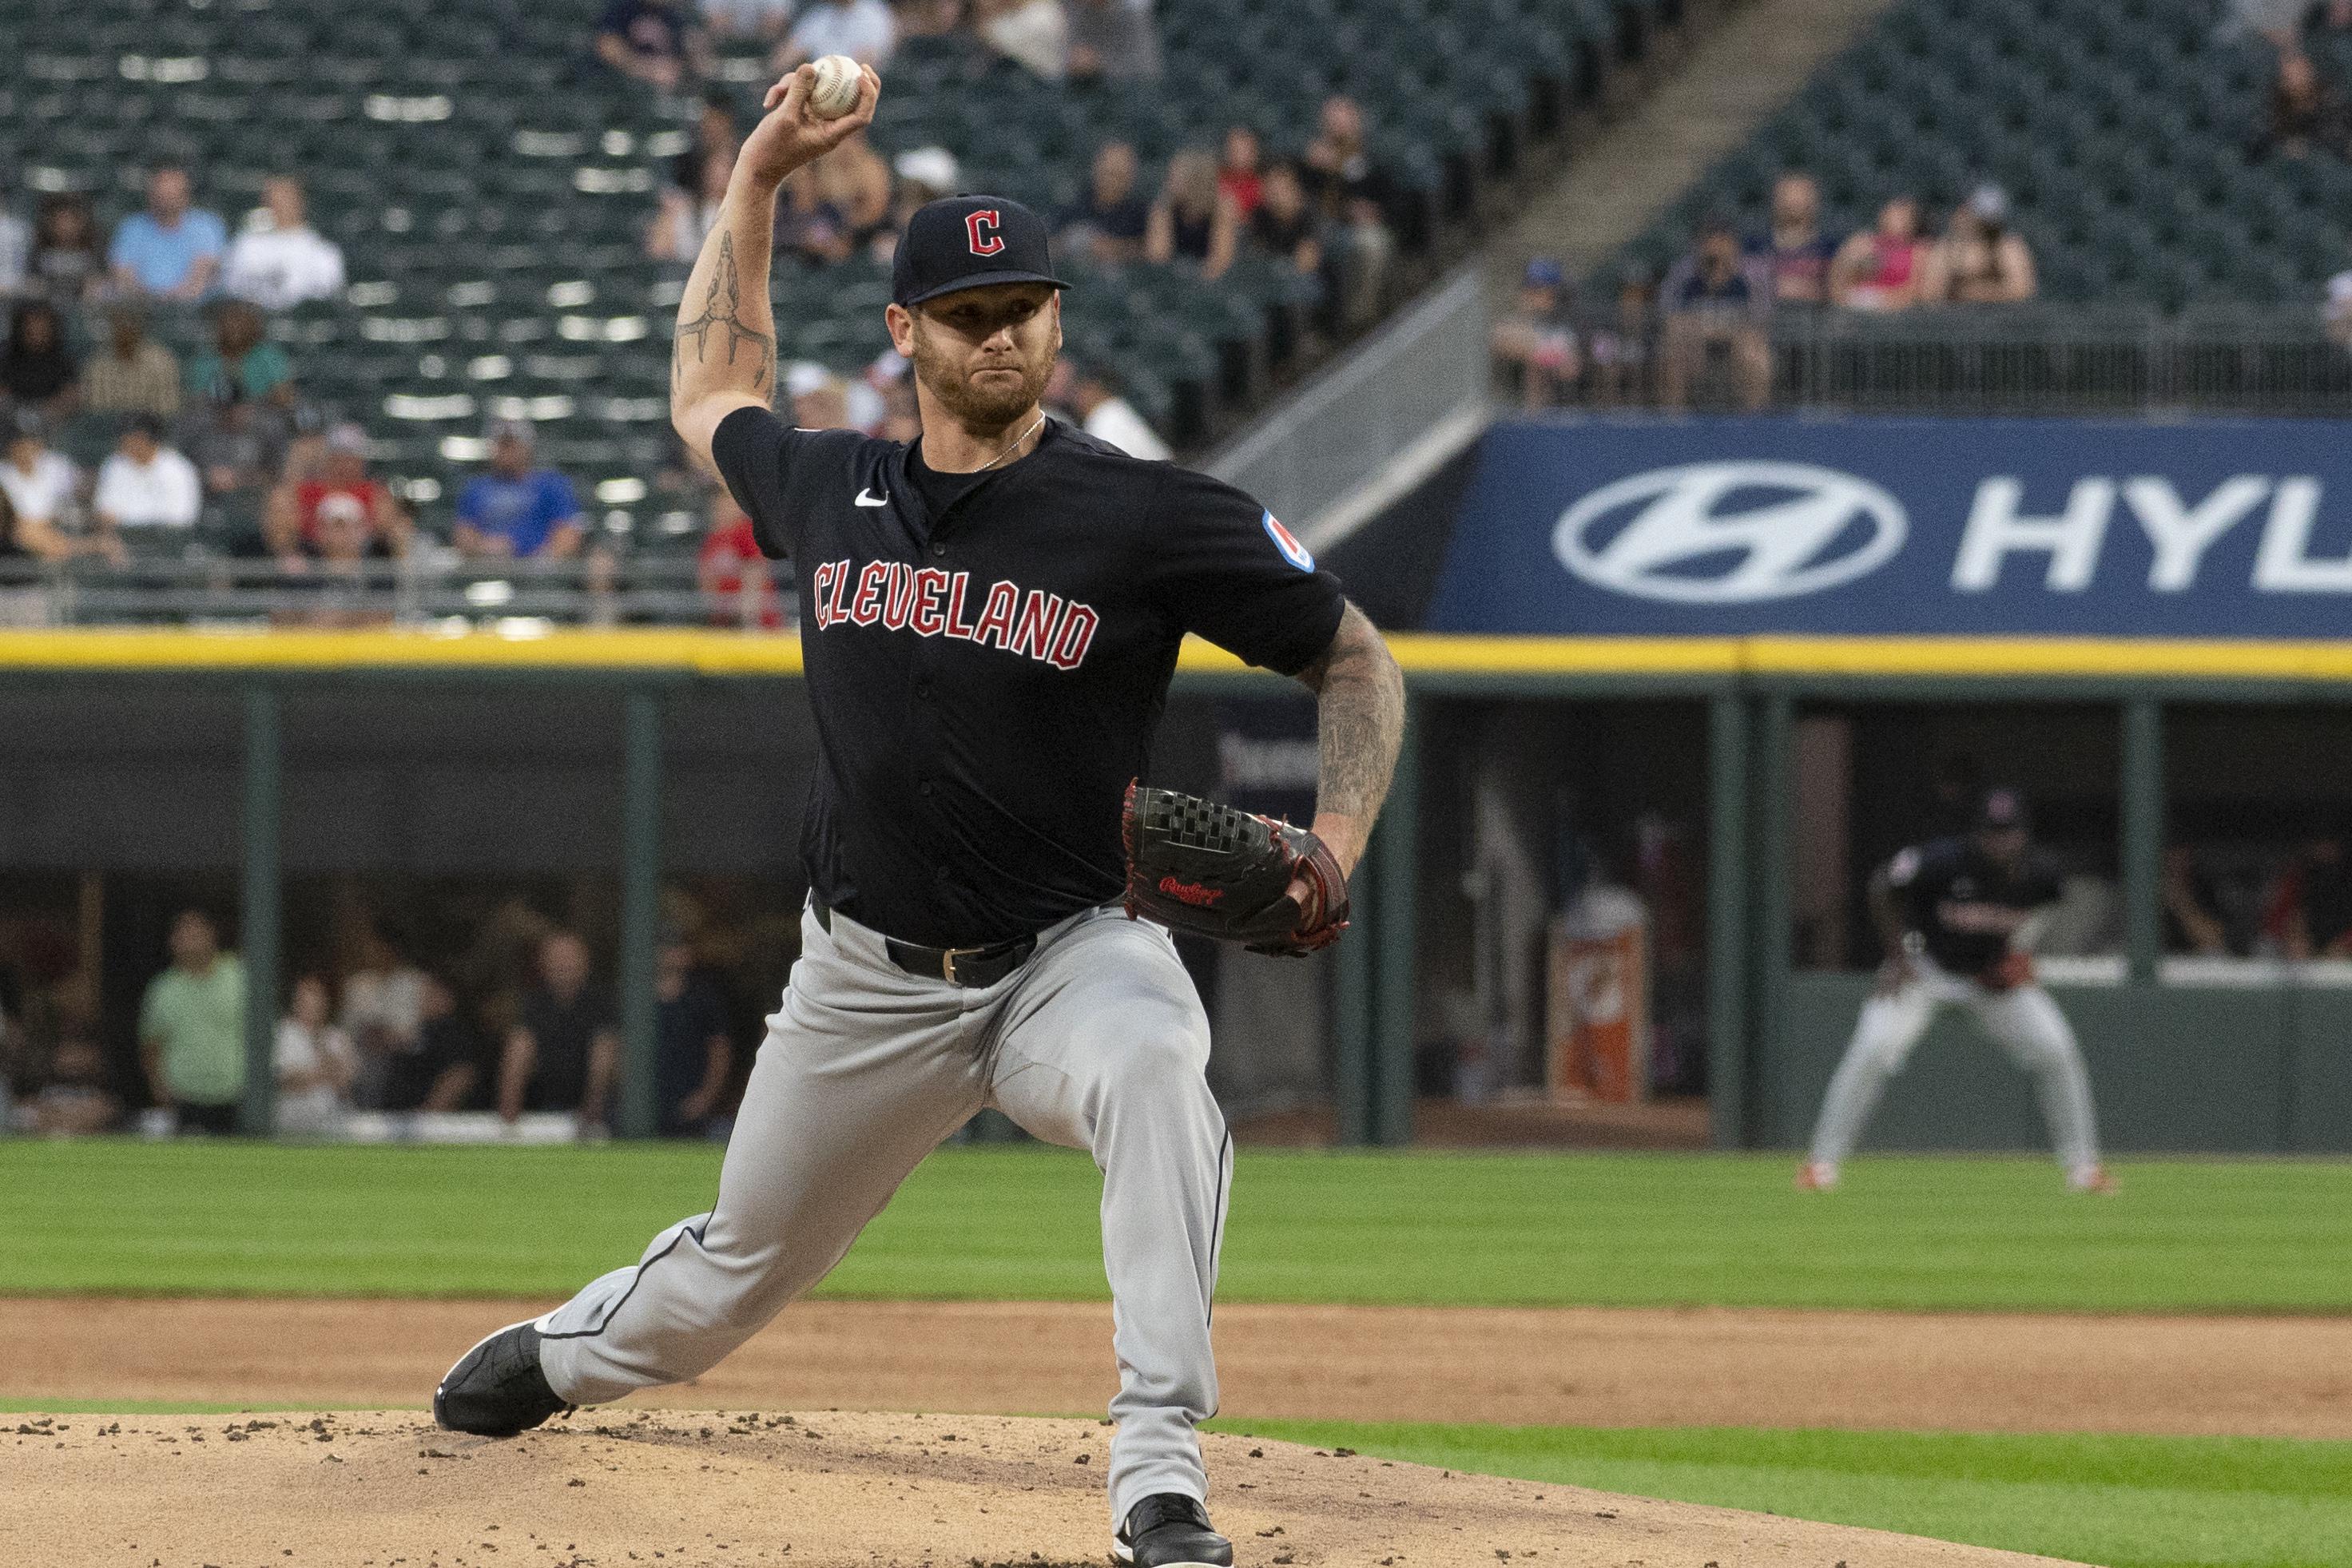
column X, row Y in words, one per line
column 1020, row 1224
column 2128, row 1502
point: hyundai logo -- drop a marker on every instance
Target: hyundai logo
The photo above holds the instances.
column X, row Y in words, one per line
column 1792, row 529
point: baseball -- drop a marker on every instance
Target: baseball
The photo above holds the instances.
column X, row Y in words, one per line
column 835, row 92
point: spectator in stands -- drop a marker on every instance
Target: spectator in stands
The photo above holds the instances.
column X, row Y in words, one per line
column 1617, row 355
column 302, row 502
column 133, row 373
column 1283, row 224
column 2190, row 900
column 2337, row 311
column 1032, row 34
column 2312, row 905
column 819, row 399
column 242, row 356
column 685, row 219
column 808, row 224
column 171, row 250
column 1713, row 303
column 383, row 1015
column 757, row 20
column 2306, row 115
column 563, row 1052
column 315, row 1064
column 16, row 251
column 732, row 571
column 238, row 448
column 279, row 260
column 1795, row 252
column 145, row 484
column 856, row 185
column 66, row 262
column 650, row 41
column 2328, row 17
column 862, row 29
column 1352, row 191
column 692, row 1053
column 38, row 371
column 440, row 1071
column 1108, row 223
column 1090, row 392
column 715, row 131
column 1193, row 220
column 1113, row 40
column 518, row 509
column 74, row 1100
column 1536, row 343
column 1883, row 268
column 1241, row 169
column 41, row 484
column 1981, row 260
column 192, row 1029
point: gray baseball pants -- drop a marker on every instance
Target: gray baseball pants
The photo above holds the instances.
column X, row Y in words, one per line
column 1097, row 1042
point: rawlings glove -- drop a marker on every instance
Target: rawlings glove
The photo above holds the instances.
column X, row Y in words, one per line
column 1215, row 871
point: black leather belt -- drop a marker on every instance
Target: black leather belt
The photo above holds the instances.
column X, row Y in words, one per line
column 969, row 967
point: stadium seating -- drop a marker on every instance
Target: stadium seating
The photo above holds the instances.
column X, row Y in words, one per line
column 490, row 183
column 2120, row 128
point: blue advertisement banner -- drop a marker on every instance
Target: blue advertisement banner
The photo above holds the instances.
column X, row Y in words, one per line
column 1711, row 526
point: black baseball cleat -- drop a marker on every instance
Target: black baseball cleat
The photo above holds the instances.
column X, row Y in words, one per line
column 496, row 1388
column 1170, row 1530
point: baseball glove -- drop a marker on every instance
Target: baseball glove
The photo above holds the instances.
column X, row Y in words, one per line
column 2014, row 969
column 1216, row 870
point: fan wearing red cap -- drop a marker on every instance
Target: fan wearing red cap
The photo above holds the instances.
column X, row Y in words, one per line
column 990, row 617
column 1956, row 917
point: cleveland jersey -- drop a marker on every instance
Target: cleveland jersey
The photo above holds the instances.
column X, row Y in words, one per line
column 1965, row 907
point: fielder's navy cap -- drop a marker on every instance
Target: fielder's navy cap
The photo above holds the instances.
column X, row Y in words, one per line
column 967, row 242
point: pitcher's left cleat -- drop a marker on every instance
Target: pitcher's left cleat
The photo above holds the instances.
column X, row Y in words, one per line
column 496, row 1388
column 1816, row 1176
column 1170, row 1530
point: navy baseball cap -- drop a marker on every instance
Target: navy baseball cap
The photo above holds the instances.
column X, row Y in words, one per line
column 969, row 242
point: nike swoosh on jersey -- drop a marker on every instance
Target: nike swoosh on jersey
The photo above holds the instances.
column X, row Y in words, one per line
column 866, row 498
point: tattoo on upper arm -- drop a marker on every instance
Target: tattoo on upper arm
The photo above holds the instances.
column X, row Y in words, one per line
column 1359, row 716
column 722, row 309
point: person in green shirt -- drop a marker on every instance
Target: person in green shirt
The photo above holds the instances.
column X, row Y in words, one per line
column 244, row 358
column 192, row 1029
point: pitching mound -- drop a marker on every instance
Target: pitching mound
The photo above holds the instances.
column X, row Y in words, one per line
column 814, row 1490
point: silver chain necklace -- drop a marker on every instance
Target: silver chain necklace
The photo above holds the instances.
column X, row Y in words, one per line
column 1016, row 441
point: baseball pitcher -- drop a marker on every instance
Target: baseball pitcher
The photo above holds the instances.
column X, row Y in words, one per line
column 990, row 619
column 1953, row 914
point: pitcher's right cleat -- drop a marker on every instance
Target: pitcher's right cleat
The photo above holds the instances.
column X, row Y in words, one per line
column 1169, row 1529
column 1814, row 1175
column 496, row 1388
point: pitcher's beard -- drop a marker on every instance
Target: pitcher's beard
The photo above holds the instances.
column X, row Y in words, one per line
column 982, row 409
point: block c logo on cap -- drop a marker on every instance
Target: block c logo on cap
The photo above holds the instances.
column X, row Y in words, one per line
column 981, row 227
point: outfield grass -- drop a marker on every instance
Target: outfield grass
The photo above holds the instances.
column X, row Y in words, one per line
column 117, row 1217
column 2128, row 1502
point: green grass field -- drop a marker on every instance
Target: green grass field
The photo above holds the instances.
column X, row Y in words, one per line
column 1423, row 1229
column 1020, row 1224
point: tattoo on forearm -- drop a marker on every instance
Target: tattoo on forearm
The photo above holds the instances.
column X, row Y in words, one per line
column 722, row 312
column 1359, row 719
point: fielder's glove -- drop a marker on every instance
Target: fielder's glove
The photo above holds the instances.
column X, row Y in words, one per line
column 1215, row 871
column 2014, row 969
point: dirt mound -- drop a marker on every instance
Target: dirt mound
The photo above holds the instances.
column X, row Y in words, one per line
column 823, row 1489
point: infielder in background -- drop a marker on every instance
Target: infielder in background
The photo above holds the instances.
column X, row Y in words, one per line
column 1953, row 915
column 989, row 618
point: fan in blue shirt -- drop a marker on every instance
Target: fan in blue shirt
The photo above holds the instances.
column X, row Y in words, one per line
column 516, row 509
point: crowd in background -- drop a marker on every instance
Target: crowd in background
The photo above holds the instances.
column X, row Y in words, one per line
column 523, row 1023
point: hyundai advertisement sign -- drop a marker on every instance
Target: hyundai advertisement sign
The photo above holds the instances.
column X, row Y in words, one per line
column 2061, row 528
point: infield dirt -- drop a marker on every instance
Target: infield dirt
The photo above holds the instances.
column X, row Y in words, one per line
column 819, row 1490
column 2255, row 1376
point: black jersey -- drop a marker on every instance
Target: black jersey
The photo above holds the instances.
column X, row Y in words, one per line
column 1965, row 905
column 986, row 681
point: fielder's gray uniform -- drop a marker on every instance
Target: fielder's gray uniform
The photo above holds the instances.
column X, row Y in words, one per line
column 1097, row 1042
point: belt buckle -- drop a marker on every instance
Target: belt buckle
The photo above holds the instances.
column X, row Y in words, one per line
column 947, row 957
